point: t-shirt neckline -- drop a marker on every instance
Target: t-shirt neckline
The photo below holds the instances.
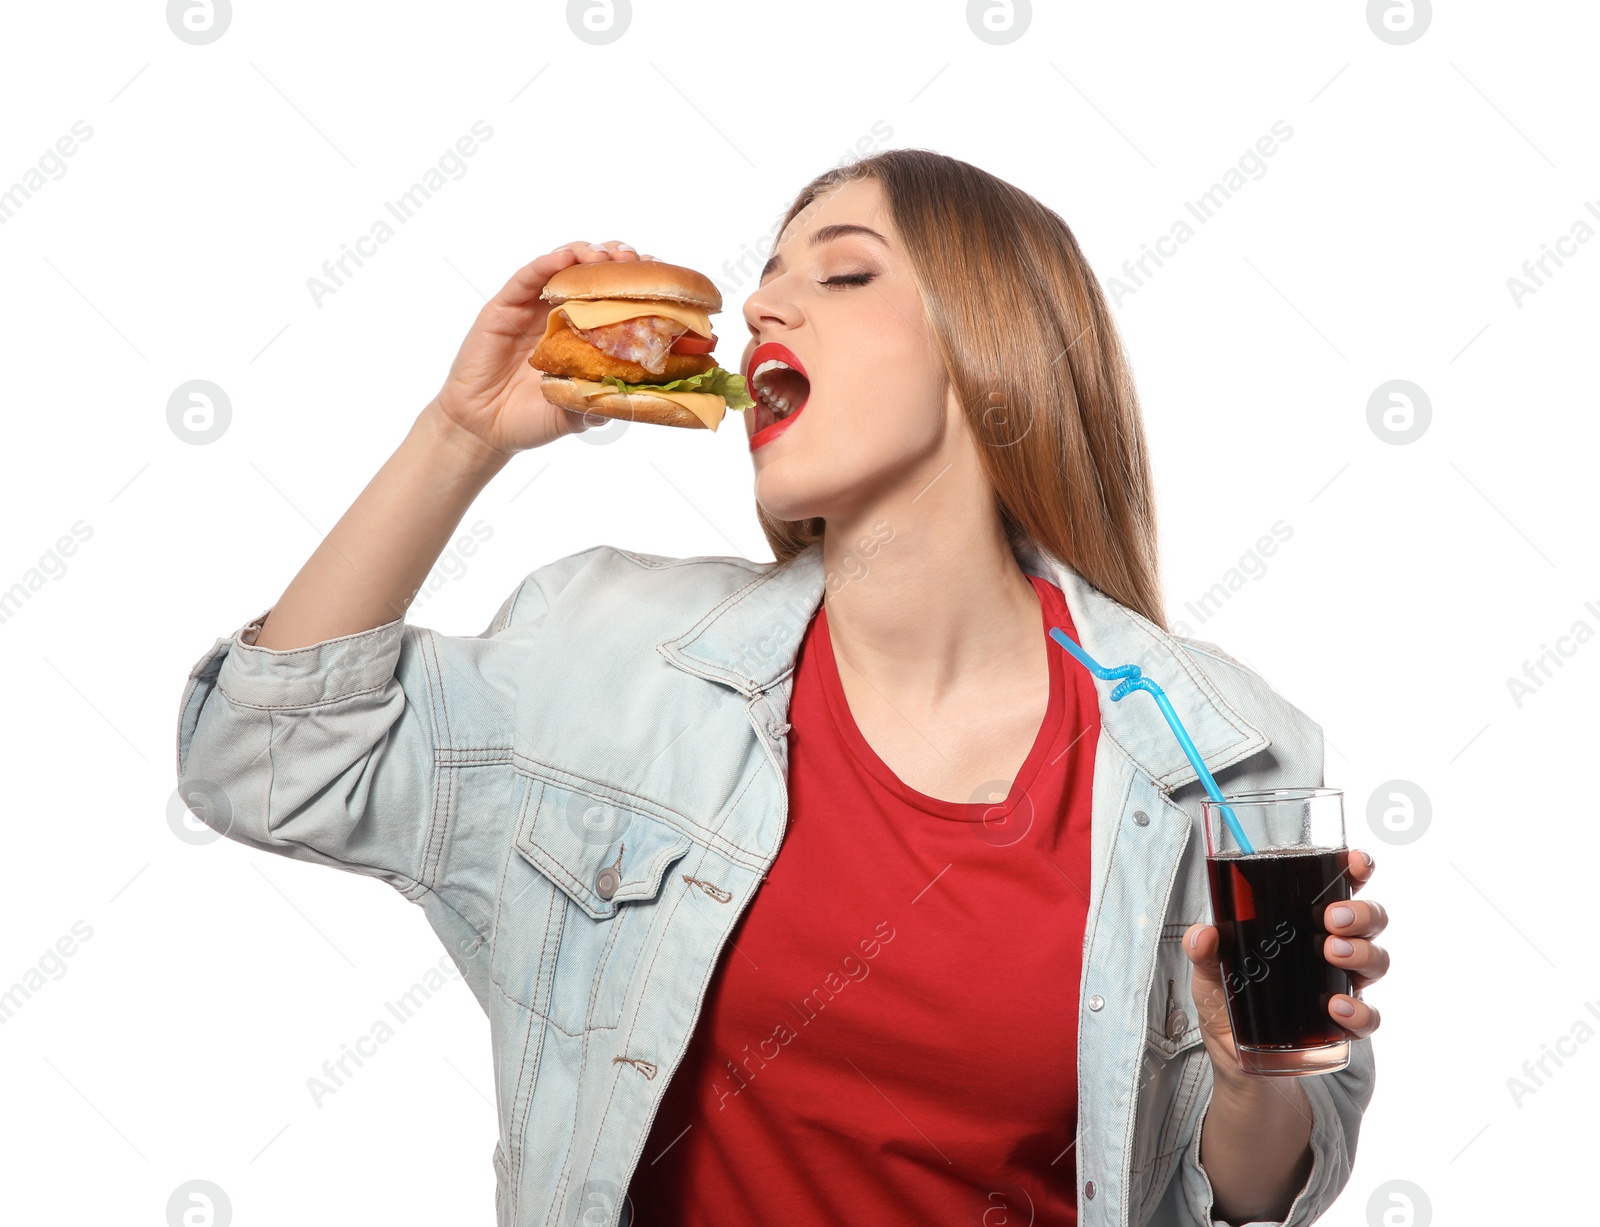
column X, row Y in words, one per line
column 959, row 811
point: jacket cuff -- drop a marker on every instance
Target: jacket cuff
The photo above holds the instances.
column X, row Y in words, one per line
column 1329, row 1164
column 324, row 672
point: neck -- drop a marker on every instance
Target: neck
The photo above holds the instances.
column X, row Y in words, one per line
column 923, row 597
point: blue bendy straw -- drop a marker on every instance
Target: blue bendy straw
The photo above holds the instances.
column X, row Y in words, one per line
column 1131, row 681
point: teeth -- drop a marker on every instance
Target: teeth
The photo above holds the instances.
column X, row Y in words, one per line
column 778, row 404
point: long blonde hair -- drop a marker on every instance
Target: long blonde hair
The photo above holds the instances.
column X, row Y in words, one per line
column 1033, row 355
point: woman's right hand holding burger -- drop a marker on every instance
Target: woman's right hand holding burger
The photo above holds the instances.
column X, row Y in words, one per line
column 491, row 397
column 372, row 564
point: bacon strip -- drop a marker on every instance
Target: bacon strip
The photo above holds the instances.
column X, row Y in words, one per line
column 645, row 339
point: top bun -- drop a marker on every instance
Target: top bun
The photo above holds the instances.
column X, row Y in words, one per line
column 649, row 279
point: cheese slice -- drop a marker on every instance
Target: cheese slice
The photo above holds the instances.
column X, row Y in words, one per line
column 706, row 406
column 599, row 312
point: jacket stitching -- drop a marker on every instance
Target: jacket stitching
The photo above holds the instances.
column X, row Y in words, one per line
column 608, row 953
column 613, row 794
column 754, row 775
column 525, row 1075
column 338, row 698
column 1129, row 1135
column 409, row 887
column 661, row 562
column 555, row 921
column 444, row 782
column 717, row 610
column 1188, row 1087
column 1201, row 681
column 517, row 1126
column 1094, row 919
column 644, row 987
column 475, row 755
column 1178, row 1110
column 284, row 654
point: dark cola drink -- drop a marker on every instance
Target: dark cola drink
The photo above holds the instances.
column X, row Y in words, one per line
column 1269, row 910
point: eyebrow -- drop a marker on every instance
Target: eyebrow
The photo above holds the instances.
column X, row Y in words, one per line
column 824, row 234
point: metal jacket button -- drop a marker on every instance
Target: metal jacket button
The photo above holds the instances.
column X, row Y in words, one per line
column 606, row 882
column 1088, row 1189
column 1177, row 1024
column 1096, row 1001
column 1140, row 818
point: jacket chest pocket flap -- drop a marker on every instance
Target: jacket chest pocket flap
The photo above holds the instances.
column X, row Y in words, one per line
column 576, row 901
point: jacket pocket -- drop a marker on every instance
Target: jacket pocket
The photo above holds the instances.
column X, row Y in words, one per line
column 576, row 900
column 1171, row 1022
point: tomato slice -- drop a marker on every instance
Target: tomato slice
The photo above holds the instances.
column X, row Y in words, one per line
column 689, row 343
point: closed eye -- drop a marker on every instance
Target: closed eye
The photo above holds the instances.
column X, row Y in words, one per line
column 849, row 279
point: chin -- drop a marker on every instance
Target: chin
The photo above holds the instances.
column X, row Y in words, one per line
column 786, row 490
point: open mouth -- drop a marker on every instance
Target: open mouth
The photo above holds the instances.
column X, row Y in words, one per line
column 779, row 385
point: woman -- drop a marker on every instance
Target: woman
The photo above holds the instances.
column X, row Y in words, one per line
column 958, row 995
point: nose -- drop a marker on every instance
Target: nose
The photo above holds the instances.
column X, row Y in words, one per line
column 769, row 310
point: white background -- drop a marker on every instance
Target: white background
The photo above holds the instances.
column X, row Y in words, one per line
column 1419, row 578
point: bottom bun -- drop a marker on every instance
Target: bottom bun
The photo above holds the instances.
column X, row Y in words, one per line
column 629, row 406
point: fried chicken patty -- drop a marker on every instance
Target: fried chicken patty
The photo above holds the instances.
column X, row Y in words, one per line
column 563, row 352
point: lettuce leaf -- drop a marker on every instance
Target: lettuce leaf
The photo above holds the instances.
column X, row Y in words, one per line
column 727, row 384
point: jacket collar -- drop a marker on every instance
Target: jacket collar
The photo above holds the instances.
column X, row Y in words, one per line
column 750, row 639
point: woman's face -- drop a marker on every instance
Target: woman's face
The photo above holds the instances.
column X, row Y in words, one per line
column 874, row 406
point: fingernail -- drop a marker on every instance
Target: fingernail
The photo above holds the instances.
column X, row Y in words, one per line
column 597, row 246
column 1194, row 940
column 1344, row 1008
column 1341, row 947
column 1342, row 915
column 647, row 256
column 626, row 247
column 1366, row 856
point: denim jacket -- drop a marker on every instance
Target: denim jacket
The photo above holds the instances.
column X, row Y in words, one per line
column 584, row 799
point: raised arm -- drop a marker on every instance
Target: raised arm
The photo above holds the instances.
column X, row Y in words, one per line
column 371, row 565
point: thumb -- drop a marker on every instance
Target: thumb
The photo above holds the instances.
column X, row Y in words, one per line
column 1203, row 944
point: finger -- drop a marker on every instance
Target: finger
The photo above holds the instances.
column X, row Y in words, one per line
column 524, row 285
column 1362, row 1020
column 1203, row 946
column 611, row 249
column 586, row 252
column 575, row 422
column 1361, row 867
column 1357, row 955
column 1353, row 918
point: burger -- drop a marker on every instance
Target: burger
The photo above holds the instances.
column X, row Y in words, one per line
column 632, row 339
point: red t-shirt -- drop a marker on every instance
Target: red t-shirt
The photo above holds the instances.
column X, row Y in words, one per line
column 890, row 1036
